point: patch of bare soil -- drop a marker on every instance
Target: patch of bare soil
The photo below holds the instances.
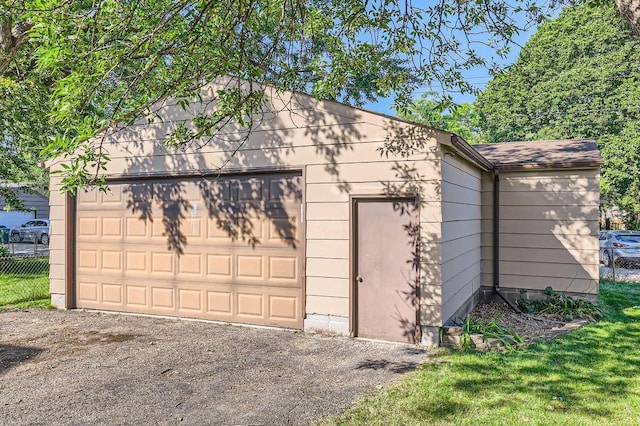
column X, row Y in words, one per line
column 530, row 327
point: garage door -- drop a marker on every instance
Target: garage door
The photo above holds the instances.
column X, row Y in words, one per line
column 226, row 249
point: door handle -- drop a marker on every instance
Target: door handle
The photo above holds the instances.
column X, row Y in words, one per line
column 359, row 279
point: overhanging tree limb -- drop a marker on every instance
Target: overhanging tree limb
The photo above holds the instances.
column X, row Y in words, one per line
column 106, row 62
column 12, row 37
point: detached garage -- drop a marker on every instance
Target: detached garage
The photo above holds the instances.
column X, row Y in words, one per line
column 324, row 217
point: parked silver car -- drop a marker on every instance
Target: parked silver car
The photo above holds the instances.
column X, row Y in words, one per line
column 31, row 230
column 623, row 247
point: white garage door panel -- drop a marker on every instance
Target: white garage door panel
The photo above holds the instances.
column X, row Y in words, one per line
column 176, row 251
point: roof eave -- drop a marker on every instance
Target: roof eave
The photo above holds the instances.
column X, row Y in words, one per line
column 551, row 165
column 470, row 154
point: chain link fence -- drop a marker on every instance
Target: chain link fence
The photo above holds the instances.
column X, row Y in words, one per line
column 619, row 255
column 24, row 272
column 623, row 269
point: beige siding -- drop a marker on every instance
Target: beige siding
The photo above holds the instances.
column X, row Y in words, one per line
column 327, row 212
column 339, row 150
column 328, row 305
column 486, row 269
column 461, row 233
column 57, row 243
column 320, row 230
column 548, row 230
column 330, row 287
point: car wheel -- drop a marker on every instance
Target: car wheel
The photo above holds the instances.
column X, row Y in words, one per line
column 606, row 259
column 15, row 237
column 44, row 239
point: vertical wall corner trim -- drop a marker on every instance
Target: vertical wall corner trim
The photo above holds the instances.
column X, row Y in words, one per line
column 70, row 251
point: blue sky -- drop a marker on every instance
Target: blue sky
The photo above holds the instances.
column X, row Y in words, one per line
column 479, row 77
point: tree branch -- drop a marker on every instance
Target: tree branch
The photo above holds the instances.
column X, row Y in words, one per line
column 12, row 37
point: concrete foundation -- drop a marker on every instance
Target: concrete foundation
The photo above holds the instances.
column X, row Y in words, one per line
column 430, row 336
column 327, row 323
column 58, row 301
column 488, row 294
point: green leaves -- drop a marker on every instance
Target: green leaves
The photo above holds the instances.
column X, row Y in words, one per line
column 462, row 120
column 112, row 60
column 563, row 305
column 576, row 77
column 489, row 328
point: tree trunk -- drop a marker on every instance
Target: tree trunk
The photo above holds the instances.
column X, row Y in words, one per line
column 12, row 37
column 630, row 11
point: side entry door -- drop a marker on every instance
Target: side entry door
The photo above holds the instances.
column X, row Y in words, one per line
column 387, row 259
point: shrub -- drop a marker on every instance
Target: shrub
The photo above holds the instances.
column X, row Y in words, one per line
column 562, row 305
column 489, row 328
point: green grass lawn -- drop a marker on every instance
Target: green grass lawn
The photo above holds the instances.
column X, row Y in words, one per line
column 589, row 377
column 24, row 284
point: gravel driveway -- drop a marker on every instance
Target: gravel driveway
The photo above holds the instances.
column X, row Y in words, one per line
column 74, row 367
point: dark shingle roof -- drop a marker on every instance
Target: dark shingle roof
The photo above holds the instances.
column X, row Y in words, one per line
column 571, row 153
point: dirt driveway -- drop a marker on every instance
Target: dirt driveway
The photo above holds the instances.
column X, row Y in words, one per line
column 74, row 367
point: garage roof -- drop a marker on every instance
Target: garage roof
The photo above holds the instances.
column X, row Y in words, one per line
column 570, row 153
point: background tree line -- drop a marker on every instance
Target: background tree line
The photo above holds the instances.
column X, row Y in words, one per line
column 71, row 69
column 577, row 77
